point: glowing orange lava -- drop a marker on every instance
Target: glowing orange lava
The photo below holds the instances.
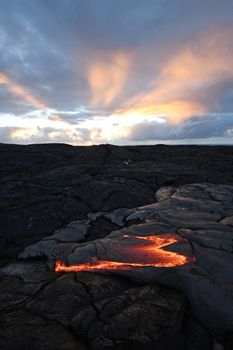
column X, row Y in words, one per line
column 146, row 254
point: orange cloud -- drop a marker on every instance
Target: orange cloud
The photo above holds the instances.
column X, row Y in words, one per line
column 20, row 91
column 22, row 133
column 106, row 78
column 175, row 111
column 3, row 79
column 199, row 66
column 56, row 118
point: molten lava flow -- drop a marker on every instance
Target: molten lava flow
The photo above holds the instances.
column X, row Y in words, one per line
column 149, row 251
column 99, row 265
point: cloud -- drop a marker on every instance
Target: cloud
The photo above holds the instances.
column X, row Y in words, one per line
column 44, row 135
column 109, row 65
column 193, row 81
column 210, row 126
column 20, row 91
column 212, row 130
column 106, row 78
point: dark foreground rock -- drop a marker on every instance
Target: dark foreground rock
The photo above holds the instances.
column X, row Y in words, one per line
column 82, row 205
column 195, row 217
column 43, row 310
column 44, row 187
column 142, row 310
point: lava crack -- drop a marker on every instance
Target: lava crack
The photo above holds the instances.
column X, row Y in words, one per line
column 146, row 251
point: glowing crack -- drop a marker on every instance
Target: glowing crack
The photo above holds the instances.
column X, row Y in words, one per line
column 146, row 248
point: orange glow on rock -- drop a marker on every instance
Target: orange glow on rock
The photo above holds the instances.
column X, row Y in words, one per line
column 146, row 253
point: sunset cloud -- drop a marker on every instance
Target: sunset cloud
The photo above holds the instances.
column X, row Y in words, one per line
column 106, row 78
column 187, row 82
column 100, row 71
column 33, row 135
column 20, row 91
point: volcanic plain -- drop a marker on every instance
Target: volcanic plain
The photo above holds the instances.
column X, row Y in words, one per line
column 108, row 247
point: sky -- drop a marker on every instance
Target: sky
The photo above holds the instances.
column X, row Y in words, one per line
column 116, row 71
